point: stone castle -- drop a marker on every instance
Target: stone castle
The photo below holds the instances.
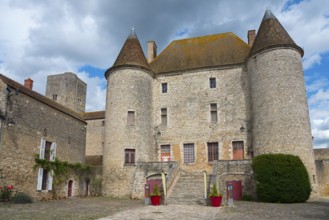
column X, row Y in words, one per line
column 203, row 105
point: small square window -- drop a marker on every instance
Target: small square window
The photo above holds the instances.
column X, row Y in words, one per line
column 164, row 87
column 55, row 97
column 212, row 82
column 129, row 156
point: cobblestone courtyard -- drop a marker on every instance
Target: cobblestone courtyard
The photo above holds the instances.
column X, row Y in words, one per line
column 107, row 208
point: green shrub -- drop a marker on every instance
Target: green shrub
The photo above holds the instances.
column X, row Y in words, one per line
column 22, row 198
column 281, row 178
column 247, row 197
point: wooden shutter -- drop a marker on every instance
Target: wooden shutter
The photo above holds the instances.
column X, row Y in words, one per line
column 53, row 152
column 42, row 149
column 50, row 180
column 40, row 175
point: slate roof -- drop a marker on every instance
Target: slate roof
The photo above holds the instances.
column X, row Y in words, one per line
column 41, row 98
column 199, row 52
column 131, row 54
column 272, row 34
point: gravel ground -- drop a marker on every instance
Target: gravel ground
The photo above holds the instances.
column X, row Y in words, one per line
column 73, row 208
column 109, row 208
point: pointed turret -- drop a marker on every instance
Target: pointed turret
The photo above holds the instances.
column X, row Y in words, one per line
column 131, row 54
column 272, row 34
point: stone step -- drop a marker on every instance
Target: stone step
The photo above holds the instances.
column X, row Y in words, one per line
column 189, row 189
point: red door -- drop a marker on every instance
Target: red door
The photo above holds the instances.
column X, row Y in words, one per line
column 152, row 184
column 237, row 189
column 69, row 189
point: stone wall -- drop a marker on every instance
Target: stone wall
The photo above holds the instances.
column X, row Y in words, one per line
column 147, row 169
column 95, row 137
column 321, row 154
column 236, row 170
column 322, row 169
column 188, row 102
column 280, row 116
column 36, row 120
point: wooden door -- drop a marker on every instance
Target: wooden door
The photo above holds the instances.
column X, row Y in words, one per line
column 69, row 189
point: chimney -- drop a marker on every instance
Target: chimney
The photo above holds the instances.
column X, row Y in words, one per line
column 251, row 37
column 28, row 83
column 151, row 51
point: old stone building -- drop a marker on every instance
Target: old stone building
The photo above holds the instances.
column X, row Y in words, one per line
column 32, row 124
column 201, row 109
column 205, row 99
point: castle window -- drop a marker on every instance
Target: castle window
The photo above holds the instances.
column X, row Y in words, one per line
column 129, row 156
column 164, row 117
column 213, row 112
column 79, row 101
column 212, row 82
column 188, row 153
column 45, row 177
column 212, row 151
column 164, row 87
column 55, row 97
column 238, row 150
column 131, row 118
column 165, row 153
column 103, row 123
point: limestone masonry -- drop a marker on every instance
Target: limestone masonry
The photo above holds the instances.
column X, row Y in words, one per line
column 203, row 106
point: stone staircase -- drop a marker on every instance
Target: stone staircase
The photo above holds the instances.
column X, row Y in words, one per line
column 189, row 189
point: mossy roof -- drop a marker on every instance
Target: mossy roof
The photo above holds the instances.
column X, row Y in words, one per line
column 200, row 52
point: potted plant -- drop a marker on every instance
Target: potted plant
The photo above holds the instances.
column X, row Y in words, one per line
column 215, row 197
column 155, row 196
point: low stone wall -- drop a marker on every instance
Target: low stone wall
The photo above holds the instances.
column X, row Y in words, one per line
column 146, row 169
column 322, row 169
column 321, row 154
column 236, row 170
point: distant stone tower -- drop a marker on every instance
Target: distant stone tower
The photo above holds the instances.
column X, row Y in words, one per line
column 129, row 128
column 280, row 117
column 68, row 90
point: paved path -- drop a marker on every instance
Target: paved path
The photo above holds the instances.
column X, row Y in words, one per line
column 240, row 210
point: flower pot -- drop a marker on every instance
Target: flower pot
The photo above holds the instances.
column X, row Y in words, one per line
column 215, row 201
column 155, row 200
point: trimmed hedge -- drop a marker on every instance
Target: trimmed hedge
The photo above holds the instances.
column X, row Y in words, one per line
column 281, row 178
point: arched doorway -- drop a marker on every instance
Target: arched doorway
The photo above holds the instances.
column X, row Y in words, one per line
column 69, row 188
column 153, row 180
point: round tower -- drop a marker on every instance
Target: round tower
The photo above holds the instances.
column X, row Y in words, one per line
column 279, row 111
column 128, row 119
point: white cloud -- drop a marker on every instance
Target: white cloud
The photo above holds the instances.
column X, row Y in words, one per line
column 319, row 112
column 308, row 24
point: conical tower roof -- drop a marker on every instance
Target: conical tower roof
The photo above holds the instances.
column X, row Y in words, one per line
column 131, row 54
column 272, row 34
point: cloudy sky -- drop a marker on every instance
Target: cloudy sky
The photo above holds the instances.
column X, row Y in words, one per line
column 43, row 37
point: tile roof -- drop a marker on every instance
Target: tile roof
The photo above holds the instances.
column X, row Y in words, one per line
column 131, row 54
column 206, row 51
column 94, row 115
column 272, row 34
column 40, row 98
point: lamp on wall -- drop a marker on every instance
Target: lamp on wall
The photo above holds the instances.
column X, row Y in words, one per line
column 242, row 129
